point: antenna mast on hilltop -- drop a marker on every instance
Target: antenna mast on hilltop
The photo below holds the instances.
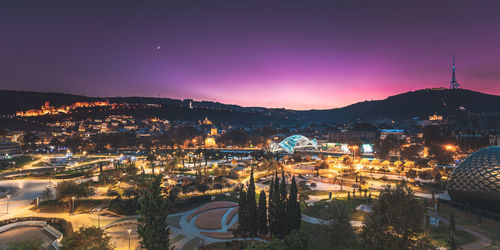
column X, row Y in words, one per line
column 454, row 84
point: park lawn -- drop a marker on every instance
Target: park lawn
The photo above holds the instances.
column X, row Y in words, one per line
column 317, row 240
column 41, row 164
column 440, row 235
column 317, row 192
column 319, row 207
column 178, row 238
column 488, row 227
column 19, row 162
column 55, row 206
column 192, row 244
column 229, row 245
column 174, row 221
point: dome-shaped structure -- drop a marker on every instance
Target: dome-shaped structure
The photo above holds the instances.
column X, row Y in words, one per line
column 294, row 143
column 476, row 180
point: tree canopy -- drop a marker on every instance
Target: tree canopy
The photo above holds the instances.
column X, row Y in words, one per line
column 88, row 238
column 397, row 221
column 153, row 228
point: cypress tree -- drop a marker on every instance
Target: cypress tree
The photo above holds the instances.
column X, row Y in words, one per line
column 294, row 215
column 273, row 207
column 453, row 242
column 242, row 215
column 252, row 207
column 153, row 228
column 283, row 189
column 262, row 214
column 283, row 223
column 276, row 195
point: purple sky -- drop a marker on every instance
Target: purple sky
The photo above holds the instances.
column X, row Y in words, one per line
column 313, row 54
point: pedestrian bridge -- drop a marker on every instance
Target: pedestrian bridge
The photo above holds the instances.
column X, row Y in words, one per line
column 293, row 144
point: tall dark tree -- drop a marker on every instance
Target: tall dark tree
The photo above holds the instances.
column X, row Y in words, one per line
column 252, row 207
column 283, row 191
column 397, row 221
column 283, row 222
column 384, row 147
column 88, row 238
column 243, row 218
column 153, row 228
column 273, row 215
column 293, row 210
column 336, row 225
column 453, row 241
column 297, row 240
column 262, row 214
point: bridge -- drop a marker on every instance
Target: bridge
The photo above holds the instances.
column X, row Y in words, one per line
column 294, row 144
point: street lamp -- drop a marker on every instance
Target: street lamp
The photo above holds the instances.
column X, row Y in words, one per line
column 99, row 217
column 73, row 204
column 8, row 197
column 129, row 231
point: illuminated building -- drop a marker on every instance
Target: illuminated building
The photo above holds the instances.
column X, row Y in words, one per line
column 476, row 180
column 210, row 142
column 46, row 109
column 436, row 117
column 213, row 131
column 351, row 136
column 207, row 122
column 9, row 149
column 399, row 133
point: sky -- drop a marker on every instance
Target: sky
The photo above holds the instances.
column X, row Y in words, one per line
column 280, row 54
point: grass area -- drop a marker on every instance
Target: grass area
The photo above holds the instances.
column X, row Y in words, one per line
column 316, row 192
column 192, row 244
column 40, row 164
column 17, row 162
column 317, row 240
column 229, row 245
column 317, row 209
column 174, row 221
column 440, row 235
column 178, row 238
column 55, row 206
column 488, row 227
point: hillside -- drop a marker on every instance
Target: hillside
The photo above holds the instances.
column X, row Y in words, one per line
column 420, row 103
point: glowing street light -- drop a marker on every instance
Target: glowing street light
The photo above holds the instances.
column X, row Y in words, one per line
column 99, row 217
column 8, row 198
column 129, row 231
column 73, row 204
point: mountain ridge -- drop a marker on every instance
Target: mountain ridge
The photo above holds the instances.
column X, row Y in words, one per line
column 419, row 103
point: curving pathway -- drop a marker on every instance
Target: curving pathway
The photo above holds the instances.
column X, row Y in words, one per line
column 482, row 240
column 193, row 232
column 185, row 234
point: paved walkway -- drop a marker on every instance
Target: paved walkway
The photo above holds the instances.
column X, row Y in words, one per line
column 185, row 235
column 24, row 233
column 191, row 232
